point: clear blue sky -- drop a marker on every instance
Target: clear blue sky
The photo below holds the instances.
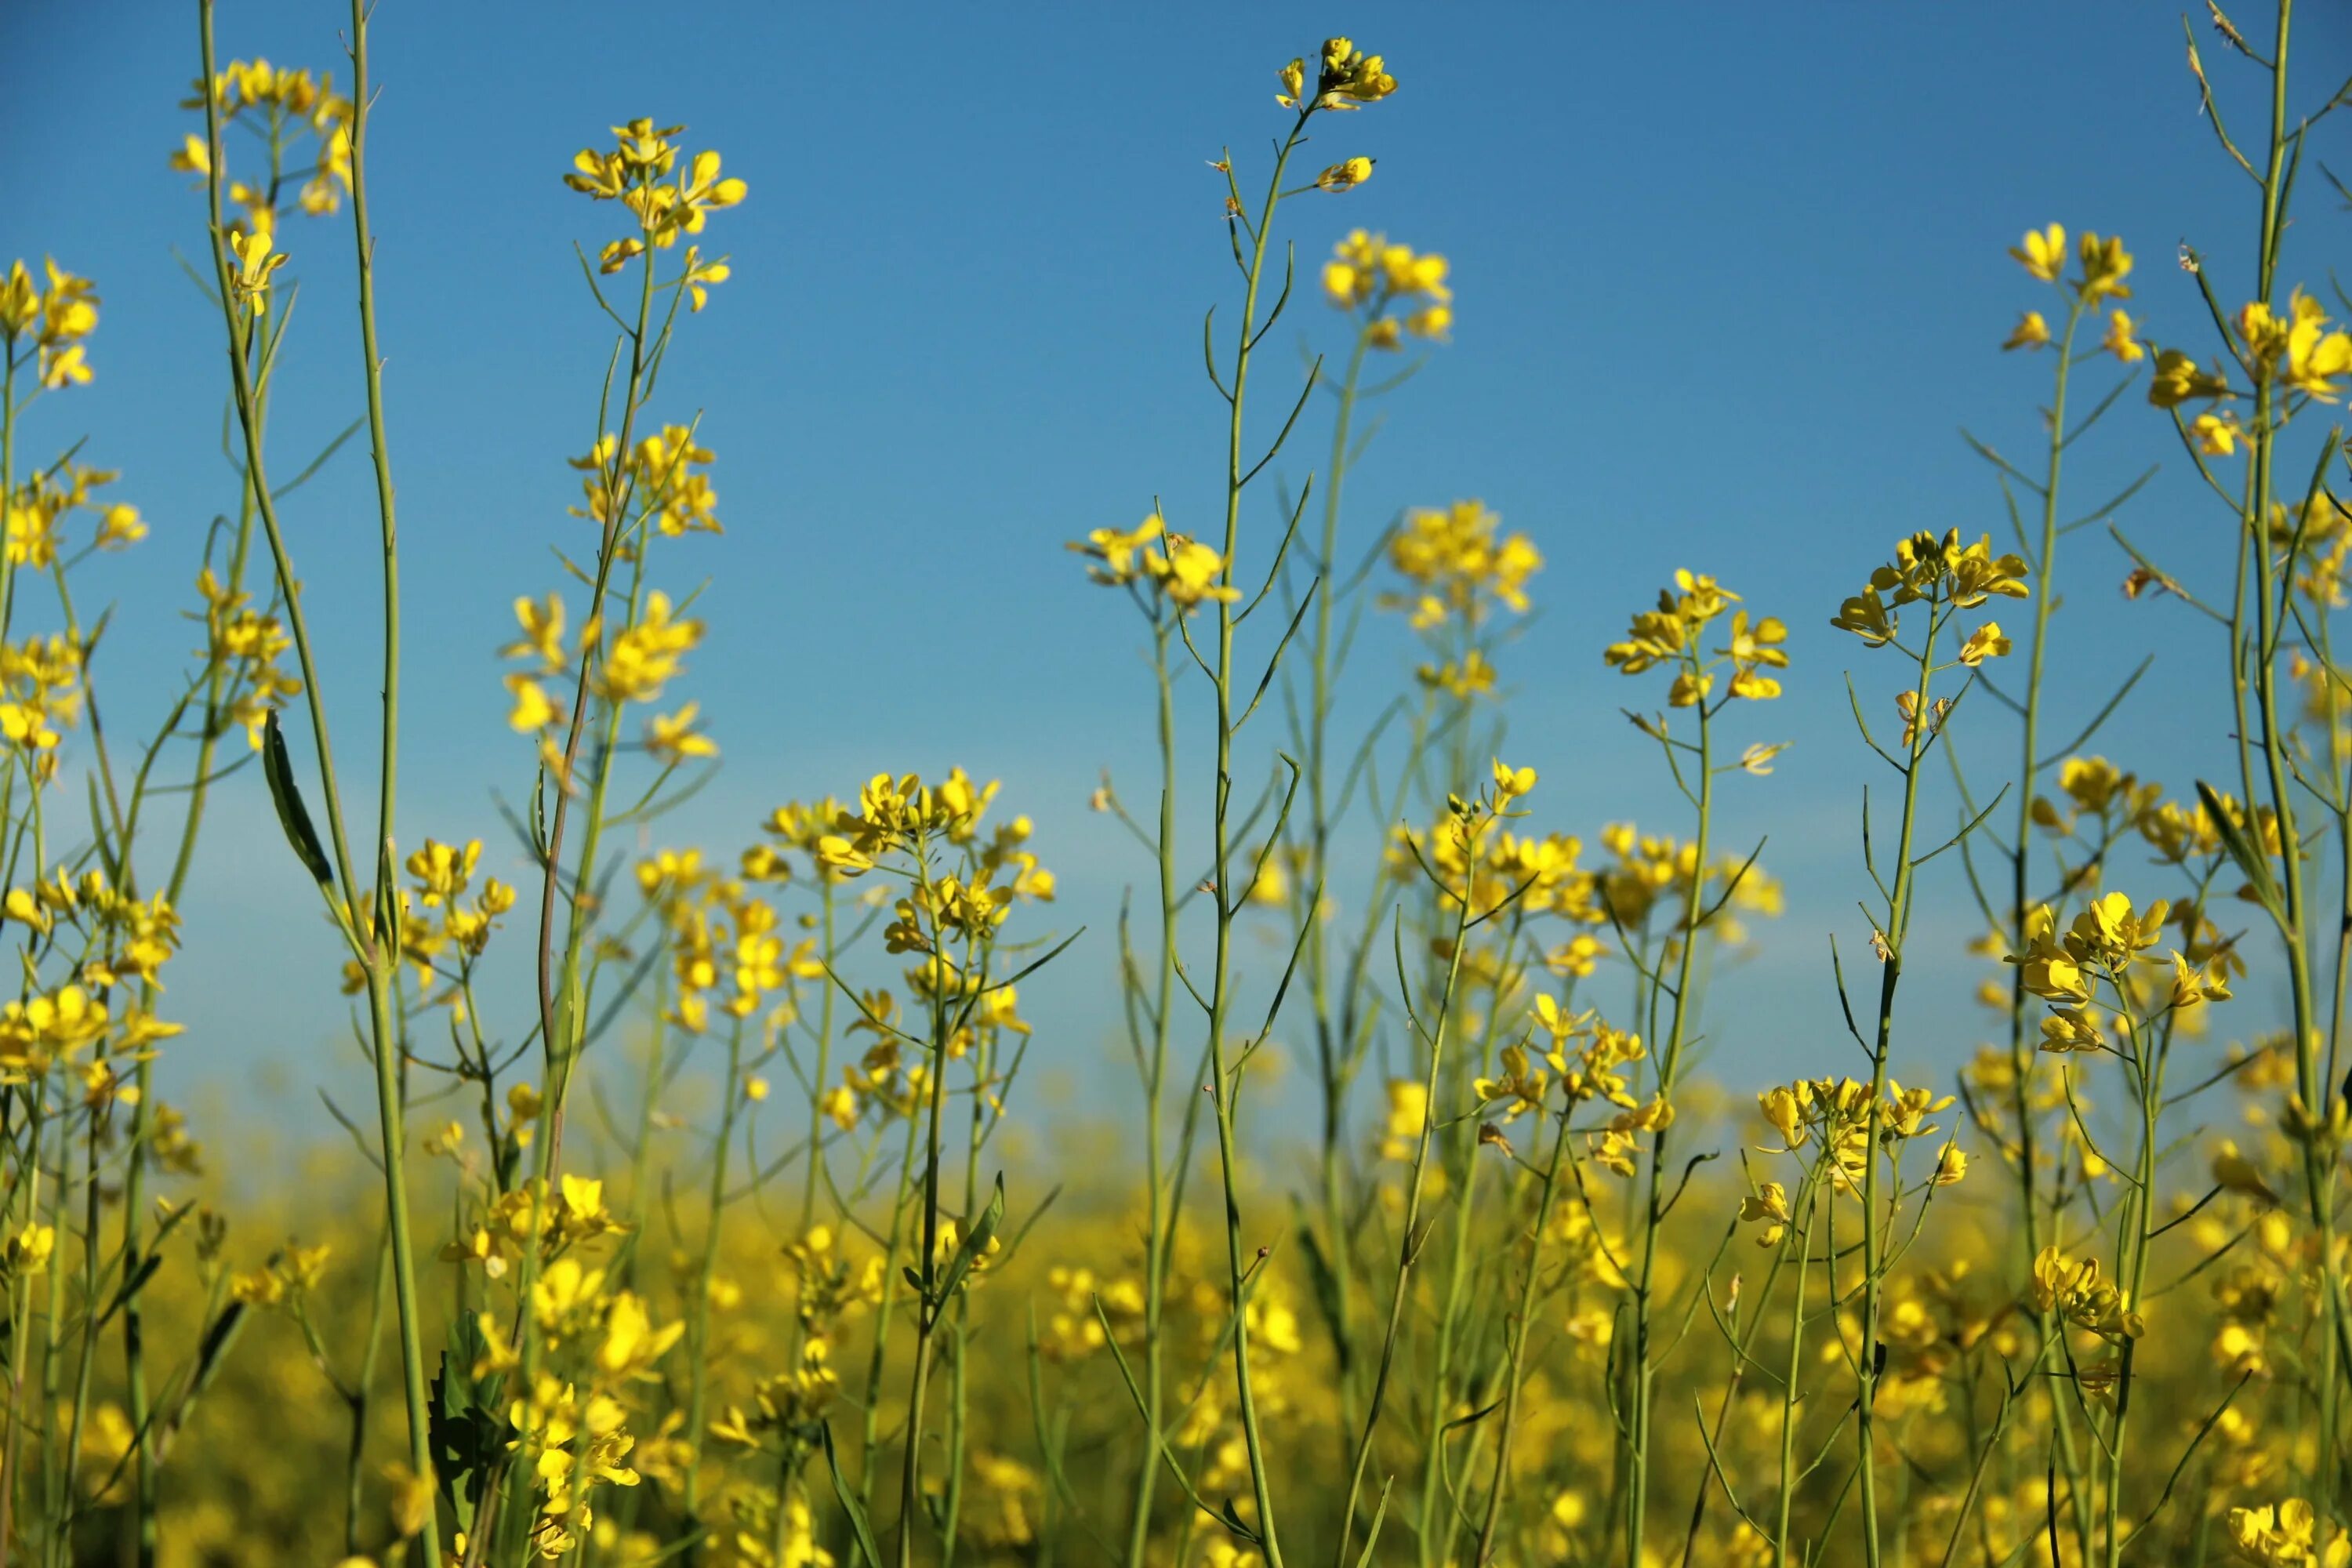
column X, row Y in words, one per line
column 1729, row 277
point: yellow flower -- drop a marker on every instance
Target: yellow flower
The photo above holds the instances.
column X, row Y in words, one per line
column 672, row 740
column 1768, row 1204
column 1345, row 175
column 1349, row 79
column 2217, row 435
column 1986, row 642
column 2178, row 379
column 2286, row 1535
column 1460, row 565
column 1293, row 78
column 28, row 1251
column 1866, row 615
column 2120, row 340
column 2043, row 254
column 2031, row 332
column 2105, row 263
column 1755, row 648
column 255, row 262
column 1117, row 554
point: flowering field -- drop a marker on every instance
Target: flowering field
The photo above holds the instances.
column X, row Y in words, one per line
column 708, row 1210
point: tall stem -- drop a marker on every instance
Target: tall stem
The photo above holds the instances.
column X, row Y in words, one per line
column 1155, row 1240
column 1334, row 1049
column 1222, row 1085
column 1652, row 1217
column 1899, row 921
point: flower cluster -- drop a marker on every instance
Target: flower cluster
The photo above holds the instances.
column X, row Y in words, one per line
column 640, row 172
column 2105, row 264
column 1172, row 566
column 286, row 106
column 1376, row 278
column 1459, row 566
column 1944, row 575
column 51, row 323
column 1346, row 78
column 245, row 645
column 2071, row 1290
column 1672, row 634
column 663, row 481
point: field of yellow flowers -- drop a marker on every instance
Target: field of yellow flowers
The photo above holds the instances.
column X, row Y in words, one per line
column 1525, row 1288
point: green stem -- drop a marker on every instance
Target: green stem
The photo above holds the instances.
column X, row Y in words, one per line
column 1224, row 1086
column 1155, row 1239
column 1644, row 1372
column 1409, row 1238
column 698, row 1386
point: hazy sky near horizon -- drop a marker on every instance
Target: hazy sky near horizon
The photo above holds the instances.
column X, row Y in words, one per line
column 1729, row 278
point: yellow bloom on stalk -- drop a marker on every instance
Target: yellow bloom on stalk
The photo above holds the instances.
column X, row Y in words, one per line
column 1985, row 642
column 2217, row 434
column 27, row 1250
column 1367, row 272
column 1671, row 633
column 2031, row 332
column 257, row 261
column 1344, row 176
column 1117, row 554
column 1865, row 615
column 699, row 277
column 1408, row 1110
column 2178, row 379
column 638, row 173
column 1935, row 569
column 1293, row 78
column 1788, row 1108
column 1349, row 79
column 643, row 657
column 1187, row 572
column 2106, row 938
column 55, row 321
column 672, row 740
column 1770, row 1205
column 2298, row 348
column 1520, row 1085
column 2121, row 340
column 2105, row 263
column 1191, row 573
column 1460, row 565
column 2042, row 254
column 1754, row 648
column 2287, row 1535
column 442, row 870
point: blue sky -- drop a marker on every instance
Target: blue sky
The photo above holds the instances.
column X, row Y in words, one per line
column 1728, row 279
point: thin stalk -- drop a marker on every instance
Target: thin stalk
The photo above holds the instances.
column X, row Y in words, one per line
column 1521, row 1324
column 1874, row 1234
column 698, row 1386
column 1224, row 1086
column 1156, row 1237
column 1410, row 1237
column 1644, row 1372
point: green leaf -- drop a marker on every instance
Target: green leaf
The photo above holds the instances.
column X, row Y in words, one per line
column 2241, row 849
column 972, row 1246
column 287, row 797
column 1380, row 1516
column 859, row 1525
column 467, row 1434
